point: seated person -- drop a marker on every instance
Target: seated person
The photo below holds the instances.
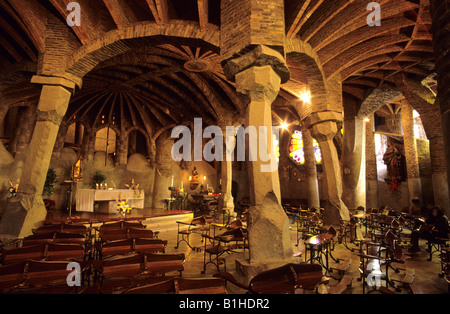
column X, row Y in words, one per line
column 436, row 226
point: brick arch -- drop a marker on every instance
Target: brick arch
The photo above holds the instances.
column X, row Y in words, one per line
column 377, row 99
column 307, row 59
column 122, row 40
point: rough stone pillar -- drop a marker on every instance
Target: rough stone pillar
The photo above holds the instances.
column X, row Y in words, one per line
column 90, row 146
column 132, row 142
column 323, row 127
column 261, row 85
column 439, row 173
column 440, row 10
column 27, row 211
column 411, row 156
column 122, row 149
column 166, row 167
column 13, row 143
column 312, row 185
column 371, row 165
column 78, row 133
column 60, row 139
column 354, row 163
column 29, row 121
column 226, row 171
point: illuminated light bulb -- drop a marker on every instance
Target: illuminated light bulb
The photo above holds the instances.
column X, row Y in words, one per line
column 284, row 125
column 305, row 97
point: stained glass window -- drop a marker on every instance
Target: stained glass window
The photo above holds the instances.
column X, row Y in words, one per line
column 296, row 151
column 276, row 147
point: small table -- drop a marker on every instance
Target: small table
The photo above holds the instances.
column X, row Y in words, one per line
column 319, row 247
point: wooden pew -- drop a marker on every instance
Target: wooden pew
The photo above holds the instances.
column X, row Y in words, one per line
column 131, row 268
column 62, row 227
column 35, row 276
column 126, row 233
column 45, row 251
column 55, row 237
column 283, row 280
column 127, row 246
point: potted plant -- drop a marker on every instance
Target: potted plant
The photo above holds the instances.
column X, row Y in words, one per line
column 49, row 186
column 98, row 178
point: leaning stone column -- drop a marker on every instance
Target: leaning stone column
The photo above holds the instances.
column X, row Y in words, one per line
column 312, row 185
column 27, row 211
column 371, row 166
column 261, row 84
column 226, row 167
column 411, row 156
column 323, row 127
column 354, row 163
column 440, row 10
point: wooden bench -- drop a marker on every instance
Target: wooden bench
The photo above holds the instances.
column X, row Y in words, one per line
column 55, row 237
column 62, row 227
column 182, row 286
column 132, row 268
column 29, row 276
column 126, row 233
column 127, row 246
column 45, row 251
column 283, row 280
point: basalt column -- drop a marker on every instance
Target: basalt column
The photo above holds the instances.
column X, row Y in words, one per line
column 26, row 211
column 269, row 238
column 371, row 166
column 412, row 158
column 252, row 53
column 354, row 163
column 311, row 170
column 323, row 127
column 440, row 12
column 226, row 202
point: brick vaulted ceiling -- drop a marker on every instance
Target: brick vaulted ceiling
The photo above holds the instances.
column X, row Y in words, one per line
column 168, row 81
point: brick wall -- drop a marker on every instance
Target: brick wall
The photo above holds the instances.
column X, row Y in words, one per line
column 249, row 22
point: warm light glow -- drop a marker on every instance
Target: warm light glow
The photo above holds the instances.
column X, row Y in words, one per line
column 204, row 178
column 190, row 178
column 284, row 125
column 366, row 120
column 305, row 96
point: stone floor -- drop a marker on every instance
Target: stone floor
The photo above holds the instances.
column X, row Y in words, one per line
column 427, row 272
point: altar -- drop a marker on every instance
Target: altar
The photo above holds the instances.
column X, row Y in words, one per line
column 107, row 199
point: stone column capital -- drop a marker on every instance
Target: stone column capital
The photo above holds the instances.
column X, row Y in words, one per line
column 260, row 83
column 324, row 131
column 53, row 81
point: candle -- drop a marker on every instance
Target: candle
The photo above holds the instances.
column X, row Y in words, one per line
column 172, row 182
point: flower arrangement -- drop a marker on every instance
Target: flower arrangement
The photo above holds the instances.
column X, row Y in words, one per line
column 13, row 189
column 122, row 206
column 393, row 184
column 135, row 187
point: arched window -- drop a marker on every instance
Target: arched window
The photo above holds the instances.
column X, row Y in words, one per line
column 105, row 140
column 296, row 149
